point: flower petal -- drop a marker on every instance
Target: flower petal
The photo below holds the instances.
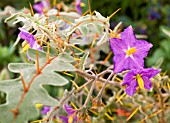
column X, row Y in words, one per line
column 27, row 36
column 69, row 109
column 64, row 119
column 147, row 83
column 150, row 72
column 128, row 36
column 38, row 7
column 119, row 61
column 128, row 77
column 131, row 89
column 136, row 62
column 117, row 46
column 78, row 7
column 45, row 110
column 142, row 48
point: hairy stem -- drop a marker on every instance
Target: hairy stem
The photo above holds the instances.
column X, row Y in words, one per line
column 104, row 86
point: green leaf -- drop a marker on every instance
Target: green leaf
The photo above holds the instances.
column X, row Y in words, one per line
column 90, row 26
column 83, row 61
column 36, row 93
column 103, row 39
column 165, row 30
column 12, row 17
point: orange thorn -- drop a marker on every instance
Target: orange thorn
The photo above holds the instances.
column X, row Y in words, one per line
column 23, row 83
column 38, row 66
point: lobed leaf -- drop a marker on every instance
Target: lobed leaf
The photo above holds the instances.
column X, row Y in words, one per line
column 36, row 93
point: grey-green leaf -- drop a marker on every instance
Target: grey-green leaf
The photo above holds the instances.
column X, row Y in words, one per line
column 34, row 82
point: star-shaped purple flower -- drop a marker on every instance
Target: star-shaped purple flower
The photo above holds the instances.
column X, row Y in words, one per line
column 138, row 77
column 129, row 53
column 30, row 39
column 40, row 6
column 71, row 118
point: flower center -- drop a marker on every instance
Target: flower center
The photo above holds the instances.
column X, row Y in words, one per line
column 130, row 51
column 26, row 47
column 140, row 81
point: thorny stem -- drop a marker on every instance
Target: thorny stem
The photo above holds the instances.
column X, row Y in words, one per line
column 94, row 83
column 23, row 83
column 90, row 93
column 50, row 116
column 104, row 86
column 16, row 110
column 162, row 102
column 84, row 85
column 48, row 52
column 37, row 65
column 140, row 109
column 84, row 74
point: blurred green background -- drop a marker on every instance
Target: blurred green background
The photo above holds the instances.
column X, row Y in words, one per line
column 148, row 17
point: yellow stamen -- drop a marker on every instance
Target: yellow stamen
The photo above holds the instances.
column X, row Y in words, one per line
column 82, row 4
column 140, row 81
column 70, row 119
column 26, row 47
column 39, row 105
column 131, row 51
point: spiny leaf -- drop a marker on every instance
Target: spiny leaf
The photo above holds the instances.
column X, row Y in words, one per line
column 33, row 81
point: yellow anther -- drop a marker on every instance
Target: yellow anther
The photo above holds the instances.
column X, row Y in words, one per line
column 39, row 105
column 82, row 4
column 70, row 119
column 131, row 51
column 26, row 47
column 140, row 81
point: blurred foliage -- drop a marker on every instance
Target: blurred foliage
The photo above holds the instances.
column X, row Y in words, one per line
column 163, row 51
column 8, row 35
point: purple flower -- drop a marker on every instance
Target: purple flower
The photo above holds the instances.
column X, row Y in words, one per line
column 71, row 118
column 139, row 77
column 79, row 4
column 30, row 39
column 45, row 110
column 153, row 15
column 129, row 53
column 40, row 6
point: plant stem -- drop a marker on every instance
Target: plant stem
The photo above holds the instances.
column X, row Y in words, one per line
column 84, row 74
column 90, row 93
column 104, row 86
